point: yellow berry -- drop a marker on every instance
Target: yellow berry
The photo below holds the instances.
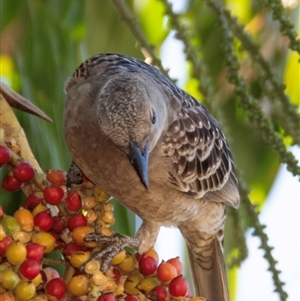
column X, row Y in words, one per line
column 99, row 279
column 78, row 258
column 131, row 283
column 148, row 284
column 78, row 285
column 45, row 239
column 15, row 253
column 117, row 259
column 25, row 290
column 128, row 264
column 100, row 195
column 92, row 267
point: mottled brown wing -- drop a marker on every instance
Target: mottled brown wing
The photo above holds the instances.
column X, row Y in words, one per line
column 202, row 162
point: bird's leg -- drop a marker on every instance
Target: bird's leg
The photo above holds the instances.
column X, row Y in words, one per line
column 112, row 246
column 144, row 239
column 147, row 234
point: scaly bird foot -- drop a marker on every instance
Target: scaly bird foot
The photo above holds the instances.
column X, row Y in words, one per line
column 112, row 246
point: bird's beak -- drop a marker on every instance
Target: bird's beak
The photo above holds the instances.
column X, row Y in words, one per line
column 139, row 159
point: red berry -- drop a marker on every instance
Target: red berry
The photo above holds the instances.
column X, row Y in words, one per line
column 159, row 293
column 5, row 155
column 70, row 248
column 32, row 201
column 3, row 244
column 56, row 288
column 117, row 275
column 73, row 202
column 53, row 194
column 58, row 224
column 34, row 251
column 147, row 265
column 56, row 176
column 23, row 172
column 137, row 256
column 43, row 221
column 10, row 183
column 131, row 298
column 30, row 268
column 107, row 297
column 76, row 220
column 179, row 287
column 166, row 272
column 177, row 264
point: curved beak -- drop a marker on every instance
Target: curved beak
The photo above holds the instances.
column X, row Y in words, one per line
column 139, row 159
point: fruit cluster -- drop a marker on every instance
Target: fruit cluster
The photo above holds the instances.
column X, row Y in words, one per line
column 53, row 218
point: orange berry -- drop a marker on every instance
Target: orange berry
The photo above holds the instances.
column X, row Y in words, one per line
column 166, row 272
column 177, row 264
column 152, row 253
column 25, row 219
column 79, row 233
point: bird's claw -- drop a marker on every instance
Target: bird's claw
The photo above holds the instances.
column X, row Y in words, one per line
column 112, row 246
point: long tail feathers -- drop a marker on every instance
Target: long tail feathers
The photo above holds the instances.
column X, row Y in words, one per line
column 210, row 284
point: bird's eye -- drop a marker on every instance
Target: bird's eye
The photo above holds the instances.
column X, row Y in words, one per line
column 153, row 117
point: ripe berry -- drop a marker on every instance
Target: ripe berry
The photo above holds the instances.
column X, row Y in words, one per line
column 24, row 218
column 131, row 298
column 147, row 265
column 58, row 224
column 79, row 233
column 34, row 251
column 56, row 288
column 10, row 183
column 128, row 264
column 151, row 252
column 32, row 201
column 30, row 268
column 106, row 297
column 5, row 155
column 3, row 244
column 177, row 264
column 15, row 253
column 73, row 202
column 166, row 272
column 45, row 239
column 23, row 172
column 117, row 275
column 56, row 176
column 76, row 220
column 43, row 221
column 179, row 287
column 78, row 285
column 70, row 248
column 53, row 194
column 159, row 293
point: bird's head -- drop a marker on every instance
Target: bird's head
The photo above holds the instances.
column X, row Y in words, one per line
column 131, row 114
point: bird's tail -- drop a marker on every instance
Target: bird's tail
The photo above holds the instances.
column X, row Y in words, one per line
column 210, row 283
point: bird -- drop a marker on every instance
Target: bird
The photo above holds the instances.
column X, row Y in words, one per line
column 160, row 153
